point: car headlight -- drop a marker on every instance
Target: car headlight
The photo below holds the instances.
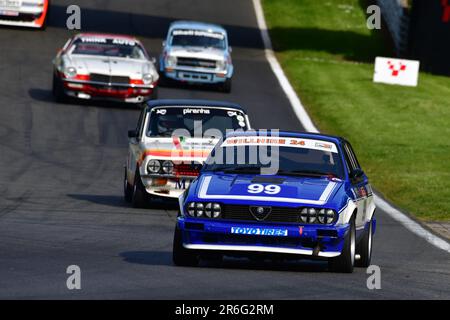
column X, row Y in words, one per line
column 308, row 215
column 314, row 215
column 171, row 61
column 199, row 209
column 221, row 65
column 191, row 209
column 213, row 210
column 167, row 167
column 147, row 78
column 70, row 72
column 153, row 166
column 326, row 216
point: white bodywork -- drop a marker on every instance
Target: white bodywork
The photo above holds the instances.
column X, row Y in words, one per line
column 12, row 10
column 144, row 149
column 106, row 67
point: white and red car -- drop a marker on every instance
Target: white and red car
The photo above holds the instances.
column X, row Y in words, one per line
column 171, row 141
column 24, row 13
column 104, row 66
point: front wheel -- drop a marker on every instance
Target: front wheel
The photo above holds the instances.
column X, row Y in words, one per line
column 58, row 90
column 226, row 86
column 139, row 193
column 127, row 189
column 180, row 255
column 154, row 95
column 346, row 260
column 364, row 248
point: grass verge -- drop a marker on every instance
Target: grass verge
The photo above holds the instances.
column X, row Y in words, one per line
column 400, row 134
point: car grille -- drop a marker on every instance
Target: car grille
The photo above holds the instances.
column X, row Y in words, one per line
column 25, row 17
column 186, row 170
column 196, row 63
column 109, row 79
column 278, row 214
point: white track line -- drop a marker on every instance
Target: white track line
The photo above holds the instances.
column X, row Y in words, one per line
column 307, row 123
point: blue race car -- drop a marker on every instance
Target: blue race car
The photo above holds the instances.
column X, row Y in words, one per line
column 284, row 195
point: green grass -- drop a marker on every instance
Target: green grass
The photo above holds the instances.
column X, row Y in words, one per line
column 400, row 134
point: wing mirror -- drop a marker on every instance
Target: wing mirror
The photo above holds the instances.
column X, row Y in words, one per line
column 230, row 49
column 153, row 60
column 356, row 176
column 164, row 43
column 132, row 134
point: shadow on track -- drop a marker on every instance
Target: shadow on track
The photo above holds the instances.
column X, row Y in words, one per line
column 45, row 95
column 106, row 200
column 143, row 25
column 157, row 258
column 118, row 201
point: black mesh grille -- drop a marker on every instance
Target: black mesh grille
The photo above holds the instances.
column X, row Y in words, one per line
column 192, row 62
column 278, row 214
column 109, row 79
column 25, row 17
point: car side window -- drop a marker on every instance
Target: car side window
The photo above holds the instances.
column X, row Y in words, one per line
column 353, row 155
column 351, row 164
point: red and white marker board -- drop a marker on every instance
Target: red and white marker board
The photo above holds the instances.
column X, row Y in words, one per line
column 396, row 71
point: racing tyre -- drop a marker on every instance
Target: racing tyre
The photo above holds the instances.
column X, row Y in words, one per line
column 180, row 255
column 127, row 189
column 154, row 94
column 138, row 196
column 345, row 261
column 58, row 90
column 226, row 86
column 364, row 248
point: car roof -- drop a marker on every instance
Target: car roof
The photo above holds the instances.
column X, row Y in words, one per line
column 183, row 24
column 289, row 134
column 193, row 103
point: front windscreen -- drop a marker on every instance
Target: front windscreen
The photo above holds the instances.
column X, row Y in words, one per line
column 97, row 46
column 198, row 38
column 194, row 121
column 313, row 158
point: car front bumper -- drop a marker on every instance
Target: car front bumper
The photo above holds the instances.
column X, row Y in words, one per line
column 303, row 240
column 32, row 16
column 166, row 187
column 125, row 93
column 196, row 75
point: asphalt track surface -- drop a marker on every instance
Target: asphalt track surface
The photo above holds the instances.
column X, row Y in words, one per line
column 61, row 180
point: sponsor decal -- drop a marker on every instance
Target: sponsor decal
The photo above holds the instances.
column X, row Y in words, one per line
column 161, row 111
column 280, row 142
column 396, row 71
column 198, row 33
column 323, row 145
column 118, row 41
column 196, row 111
column 260, row 231
column 125, row 42
column 94, row 40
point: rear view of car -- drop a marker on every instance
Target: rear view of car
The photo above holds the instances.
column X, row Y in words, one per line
column 196, row 52
column 24, row 13
column 104, row 66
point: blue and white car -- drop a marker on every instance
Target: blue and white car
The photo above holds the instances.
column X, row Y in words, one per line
column 197, row 52
column 312, row 199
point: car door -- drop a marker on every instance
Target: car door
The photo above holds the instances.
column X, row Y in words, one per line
column 134, row 152
column 359, row 187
